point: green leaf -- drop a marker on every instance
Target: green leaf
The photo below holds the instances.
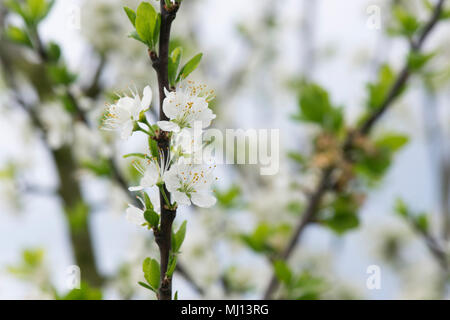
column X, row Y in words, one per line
column 417, row 60
column 34, row 11
column 174, row 64
column 229, row 198
column 153, row 146
column 146, row 286
column 343, row 215
column 401, row 208
column 156, row 29
column 151, row 272
column 152, row 218
column 407, row 22
column 84, row 293
column 14, row 6
column 176, row 296
column 146, row 18
column 33, row 258
column 257, row 241
column 148, row 203
column 315, row 107
column 392, row 141
column 190, row 66
column 172, row 266
column 282, row 272
column 18, row 36
column 59, row 74
column 135, row 36
column 53, row 52
column 131, row 15
column 297, row 157
column 378, row 91
column 36, row 8
column 178, row 237
column 421, row 222
column 308, row 287
column 137, row 155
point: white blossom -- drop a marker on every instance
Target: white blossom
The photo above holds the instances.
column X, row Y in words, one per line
column 152, row 173
column 185, row 106
column 123, row 115
column 190, row 183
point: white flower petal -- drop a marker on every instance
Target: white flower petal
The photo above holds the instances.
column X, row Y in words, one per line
column 168, row 126
column 126, row 104
column 137, row 188
column 151, row 175
column 181, row 198
column 171, row 179
column 146, row 98
column 135, row 215
column 127, row 129
column 202, row 199
column 154, row 198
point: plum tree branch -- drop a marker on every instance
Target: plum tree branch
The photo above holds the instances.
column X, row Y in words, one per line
column 163, row 236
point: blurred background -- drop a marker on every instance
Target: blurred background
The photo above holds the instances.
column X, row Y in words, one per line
column 63, row 181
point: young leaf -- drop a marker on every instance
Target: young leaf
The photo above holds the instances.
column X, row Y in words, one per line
column 135, row 36
column 417, row 60
column 54, row 52
column 379, row 90
column 148, row 203
column 146, row 286
column 190, row 66
column 18, row 36
column 343, row 215
column 131, row 15
column 14, row 6
column 151, row 217
column 153, row 146
column 59, row 74
column 138, row 155
column 176, row 296
column 151, row 272
column 156, row 29
column 283, row 272
column 174, row 64
column 422, row 222
column 172, row 266
column 36, row 8
column 146, row 17
column 178, row 237
column 315, row 106
column 408, row 23
column 392, row 141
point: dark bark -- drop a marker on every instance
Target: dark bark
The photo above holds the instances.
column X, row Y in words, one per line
column 160, row 64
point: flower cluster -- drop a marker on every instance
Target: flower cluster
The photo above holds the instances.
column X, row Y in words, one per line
column 187, row 181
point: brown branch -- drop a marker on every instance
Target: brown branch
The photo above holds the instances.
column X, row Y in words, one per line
column 163, row 236
column 364, row 129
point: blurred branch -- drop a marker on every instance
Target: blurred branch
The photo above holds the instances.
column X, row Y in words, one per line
column 94, row 89
column 363, row 130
